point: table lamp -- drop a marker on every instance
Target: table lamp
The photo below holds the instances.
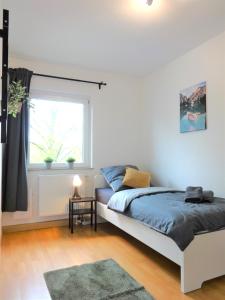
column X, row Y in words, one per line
column 76, row 183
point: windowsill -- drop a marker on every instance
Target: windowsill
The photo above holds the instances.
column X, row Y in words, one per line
column 44, row 169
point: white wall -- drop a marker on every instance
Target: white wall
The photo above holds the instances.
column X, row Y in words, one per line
column 197, row 158
column 115, row 118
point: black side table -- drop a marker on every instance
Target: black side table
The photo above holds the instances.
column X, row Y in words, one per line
column 92, row 210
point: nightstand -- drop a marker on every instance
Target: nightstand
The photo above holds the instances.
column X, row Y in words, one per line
column 74, row 211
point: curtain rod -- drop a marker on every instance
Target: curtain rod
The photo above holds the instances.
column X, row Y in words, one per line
column 100, row 84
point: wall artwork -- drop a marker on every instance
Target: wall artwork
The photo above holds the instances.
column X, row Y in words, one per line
column 193, row 108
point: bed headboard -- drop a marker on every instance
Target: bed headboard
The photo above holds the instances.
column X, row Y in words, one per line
column 100, row 182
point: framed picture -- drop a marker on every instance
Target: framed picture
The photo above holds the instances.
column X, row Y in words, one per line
column 193, row 108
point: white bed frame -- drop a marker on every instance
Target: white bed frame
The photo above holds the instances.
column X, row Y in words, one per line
column 202, row 260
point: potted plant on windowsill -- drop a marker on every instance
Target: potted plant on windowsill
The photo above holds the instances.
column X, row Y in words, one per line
column 48, row 162
column 70, row 162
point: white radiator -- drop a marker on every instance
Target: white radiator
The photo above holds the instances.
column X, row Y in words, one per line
column 54, row 192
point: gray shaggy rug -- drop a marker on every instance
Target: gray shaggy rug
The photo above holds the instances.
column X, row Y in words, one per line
column 101, row 280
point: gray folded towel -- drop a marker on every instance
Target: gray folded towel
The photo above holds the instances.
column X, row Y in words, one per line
column 197, row 195
column 208, row 196
column 194, row 194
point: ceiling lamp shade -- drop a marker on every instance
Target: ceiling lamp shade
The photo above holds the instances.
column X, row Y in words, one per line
column 149, row 2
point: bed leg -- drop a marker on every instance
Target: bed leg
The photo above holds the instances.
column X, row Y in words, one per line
column 189, row 279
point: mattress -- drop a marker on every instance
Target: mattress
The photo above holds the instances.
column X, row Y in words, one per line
column 103, row 194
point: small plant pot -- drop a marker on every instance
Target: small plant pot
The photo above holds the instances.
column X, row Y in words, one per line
column 48, row 165
column 70, row 165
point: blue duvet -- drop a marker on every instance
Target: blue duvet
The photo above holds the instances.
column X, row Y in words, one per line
column 166, row 211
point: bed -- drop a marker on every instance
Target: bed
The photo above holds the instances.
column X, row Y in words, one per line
column 203, row 259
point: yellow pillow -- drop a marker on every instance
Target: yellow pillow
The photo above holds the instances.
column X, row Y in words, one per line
column 136, row 179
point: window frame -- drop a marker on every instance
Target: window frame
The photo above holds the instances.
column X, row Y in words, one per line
column 87, row 147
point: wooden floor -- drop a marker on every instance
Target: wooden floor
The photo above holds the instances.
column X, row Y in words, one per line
column 27, row 255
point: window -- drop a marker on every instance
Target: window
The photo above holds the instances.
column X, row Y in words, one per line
column 59, row 128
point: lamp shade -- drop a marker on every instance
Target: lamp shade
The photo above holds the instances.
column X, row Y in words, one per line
column 149, row 2
column 76, row 181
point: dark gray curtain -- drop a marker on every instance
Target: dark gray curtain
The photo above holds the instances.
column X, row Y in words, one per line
column 14, row 189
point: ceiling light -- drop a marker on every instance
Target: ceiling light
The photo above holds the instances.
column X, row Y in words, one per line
column 149, row 2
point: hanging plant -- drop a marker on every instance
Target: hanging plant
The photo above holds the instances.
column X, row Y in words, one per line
column 17, row 96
